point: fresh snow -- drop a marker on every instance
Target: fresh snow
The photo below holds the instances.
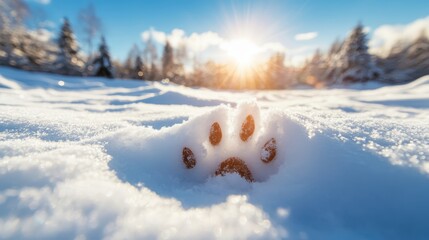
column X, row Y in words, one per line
column 89, row 158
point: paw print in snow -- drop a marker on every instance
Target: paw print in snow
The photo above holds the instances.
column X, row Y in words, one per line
column 244, row 150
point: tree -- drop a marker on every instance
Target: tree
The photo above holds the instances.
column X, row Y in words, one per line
column 134, row 66
column 417, row 56
column 12, row 13
column 91, row 27
column 140, row 69
column 68, row 61
column 333, row 62
column 168, row 61
column 357, row 64
column 154, row 73
column 316, row 70
column 37, row 51
column 407, row 61
column 150, row 56
column 180, row 59
column 276, row 72
column 102, row 64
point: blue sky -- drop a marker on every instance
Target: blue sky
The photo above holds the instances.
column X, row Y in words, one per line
column 262, row 21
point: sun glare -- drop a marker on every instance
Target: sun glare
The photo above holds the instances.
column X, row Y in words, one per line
column 242, row 51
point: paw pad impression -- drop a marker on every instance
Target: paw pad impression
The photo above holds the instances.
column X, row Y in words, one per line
column 234, row 164
column 188, row 158
column 215, row 134
column 247, row 128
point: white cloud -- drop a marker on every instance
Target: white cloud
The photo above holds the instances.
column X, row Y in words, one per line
column 306, row 36
column 196, row 42
column 274, row 46
column 47, row 24
column 367, row 29
column 43, row 35
column 156, row 35
column 298, row 56
column 386, row 36
column 203, row 43
column 43, row 1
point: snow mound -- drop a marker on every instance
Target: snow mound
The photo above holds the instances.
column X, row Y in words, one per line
column 5, row 83
column 131, row 160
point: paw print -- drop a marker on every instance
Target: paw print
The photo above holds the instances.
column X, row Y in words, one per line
column 243, row 150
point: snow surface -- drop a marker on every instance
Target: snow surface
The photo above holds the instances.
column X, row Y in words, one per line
column 88, row 158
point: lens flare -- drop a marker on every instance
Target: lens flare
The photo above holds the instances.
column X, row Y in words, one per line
column 242, row 51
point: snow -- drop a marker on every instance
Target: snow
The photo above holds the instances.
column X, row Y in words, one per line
column 89, row 158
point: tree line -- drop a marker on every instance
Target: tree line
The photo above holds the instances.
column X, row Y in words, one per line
column 346, row 61
column 23, row 48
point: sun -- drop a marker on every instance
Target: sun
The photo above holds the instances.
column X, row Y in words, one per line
column 243, row 52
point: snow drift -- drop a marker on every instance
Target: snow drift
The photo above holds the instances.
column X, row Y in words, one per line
column 91, row 158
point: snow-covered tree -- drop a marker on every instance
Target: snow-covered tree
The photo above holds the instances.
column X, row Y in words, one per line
column 91, row 25
column 68, row 62
column 168, row 61
column 39, row 52
column 102, row 65
column 180, row 59
column 316, row 70
column 417, row 56
column 140, row 69
column 150, row 57
column 357, row 64
column 150, row 54
column 407, row 61
column 275, row 73
column 120, row 71
column 154, row 73
column 91, row 28
column 134, row 64
column 333, row 62
column 12, row 15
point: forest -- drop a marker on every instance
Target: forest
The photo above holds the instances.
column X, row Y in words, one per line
column 348, row 60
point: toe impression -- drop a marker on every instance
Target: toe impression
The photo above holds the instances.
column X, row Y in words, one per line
column 269, row 151
column 215, row 134
column 188, row 158
column 247, row 128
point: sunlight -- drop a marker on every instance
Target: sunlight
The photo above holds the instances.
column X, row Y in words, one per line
column 243, row 52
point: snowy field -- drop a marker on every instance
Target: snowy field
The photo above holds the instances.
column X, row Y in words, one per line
column 87, row 158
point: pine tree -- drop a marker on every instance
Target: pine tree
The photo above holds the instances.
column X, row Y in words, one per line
column 334, row 62
column 13, row 32
column 356, row 63
column 317, row 69
column 275, row 73
column 150, row 56
column 154, row 73
column 68, row 61
column 168, row 61
column 91, row 27
column 140, row 69
column 13, row 13
column 127, row 68
column 134, row 64
column 417, row 56
column 102, row 64
column 407, row 61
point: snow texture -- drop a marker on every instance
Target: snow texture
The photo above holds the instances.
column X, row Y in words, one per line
column 89, row 158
